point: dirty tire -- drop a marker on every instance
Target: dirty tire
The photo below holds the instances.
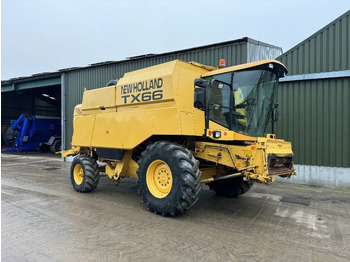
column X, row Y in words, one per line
column 56, row 146
column 88, row 178
column 231, row 187
column 185, row 178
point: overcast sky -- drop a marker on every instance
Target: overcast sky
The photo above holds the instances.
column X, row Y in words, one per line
column 47, row 35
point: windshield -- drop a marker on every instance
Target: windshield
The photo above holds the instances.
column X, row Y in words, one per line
column 251, row 103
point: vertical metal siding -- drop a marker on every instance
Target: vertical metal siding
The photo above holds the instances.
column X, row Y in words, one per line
column 315, row 117
column 327, row 50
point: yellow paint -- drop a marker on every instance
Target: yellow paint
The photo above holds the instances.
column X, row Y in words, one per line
column 117, row 169
column 208, row 172
column 242, row 158
column 216, row 153
column 173, row 114
column 122, row 166
column 159, row 179
column 226, row 135
column 247, row 153
column 83, row 129
column 99, row 99
column 70, row 152
column 110, row 167
column 78, row 174
column 133, row 166
column 246, row 66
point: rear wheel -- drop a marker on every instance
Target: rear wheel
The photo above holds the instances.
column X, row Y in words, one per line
column 56, row 146
column 168, row 178
column 231, row 187
column 8, row 137
column 84, row 173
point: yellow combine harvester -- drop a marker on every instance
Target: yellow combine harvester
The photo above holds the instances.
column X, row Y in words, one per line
column 176, row 125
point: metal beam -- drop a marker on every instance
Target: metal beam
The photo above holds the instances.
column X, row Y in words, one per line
column 7, row 88
column 316, row 76
column 63, row 112
column 32, row 84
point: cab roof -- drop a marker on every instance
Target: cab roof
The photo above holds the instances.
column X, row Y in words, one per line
column 276, row 63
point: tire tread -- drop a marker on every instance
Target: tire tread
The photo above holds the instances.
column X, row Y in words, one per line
column 189, row 173
column 91, row 173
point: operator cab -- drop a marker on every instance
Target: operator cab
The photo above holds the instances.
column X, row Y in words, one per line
column 241, row 98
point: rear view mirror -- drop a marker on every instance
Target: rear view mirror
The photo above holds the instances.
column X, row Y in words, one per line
column 199, row 98
column 201, row 82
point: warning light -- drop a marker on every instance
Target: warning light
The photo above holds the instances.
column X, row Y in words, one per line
column 222, row 63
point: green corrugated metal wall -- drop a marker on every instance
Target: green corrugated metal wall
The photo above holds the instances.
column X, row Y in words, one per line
column 315, row 114
column 315, row 117
column 325, row 51
column 95, row 77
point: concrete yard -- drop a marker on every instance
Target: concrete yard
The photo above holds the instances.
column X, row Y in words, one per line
column 44, row 219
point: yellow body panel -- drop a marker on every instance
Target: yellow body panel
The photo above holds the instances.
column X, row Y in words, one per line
column 251, row 160
column 243, row 66
column 99, row 99
column 85, row 125
column 150, row 101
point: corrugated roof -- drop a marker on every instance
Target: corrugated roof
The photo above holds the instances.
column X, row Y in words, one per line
column 39, row 76
column 134, row 58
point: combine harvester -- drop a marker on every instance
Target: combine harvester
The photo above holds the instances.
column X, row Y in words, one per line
column 178, row 125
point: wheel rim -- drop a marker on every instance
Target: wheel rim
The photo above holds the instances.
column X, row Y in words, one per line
column 159, row 179
column 78, row 174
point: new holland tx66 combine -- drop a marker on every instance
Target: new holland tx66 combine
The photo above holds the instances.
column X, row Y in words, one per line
column 177, row 125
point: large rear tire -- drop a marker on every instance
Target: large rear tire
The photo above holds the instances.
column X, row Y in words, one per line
column 84, row 174
column 168, row 178
column 231, row 187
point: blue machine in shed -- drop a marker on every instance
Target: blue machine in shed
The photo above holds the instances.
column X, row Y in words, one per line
column 31, row 132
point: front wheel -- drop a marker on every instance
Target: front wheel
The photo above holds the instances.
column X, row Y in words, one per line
column 84, row 173
column 231, row 187
column 168, row 178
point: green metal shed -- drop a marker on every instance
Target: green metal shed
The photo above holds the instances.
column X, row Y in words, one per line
column 314, row 105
